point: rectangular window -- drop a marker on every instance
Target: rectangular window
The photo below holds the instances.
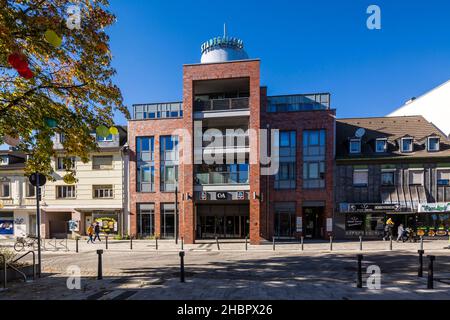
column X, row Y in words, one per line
column 63, row 163
column 416, row 177
column 108, row 138
column 314, row 175
column 30, row 191
column 167, row 220
column 388, row 178
column 433, row 144
column 65, row 192
column 360, row 178
column 103, row 192
column 102, row 162
column 145, row 165
column 286, row 177
column 158, row 111
column 381, row 145
column 314, row 148
column 169, row 163
column 407, row 144
column 146, row 219
column 355, row 146
column 443, row 177
column 5, row 189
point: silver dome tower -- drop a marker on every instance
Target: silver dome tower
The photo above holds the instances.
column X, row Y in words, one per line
column 223, row 49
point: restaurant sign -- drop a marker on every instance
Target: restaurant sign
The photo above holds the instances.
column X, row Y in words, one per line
column 434, row 207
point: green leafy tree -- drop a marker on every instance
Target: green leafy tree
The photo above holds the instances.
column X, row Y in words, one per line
column 55, row 64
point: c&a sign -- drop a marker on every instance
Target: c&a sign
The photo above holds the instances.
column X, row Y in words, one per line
column 435, row 207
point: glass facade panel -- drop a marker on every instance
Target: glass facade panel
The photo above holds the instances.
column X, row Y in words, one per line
column 286, row 177
column 169, row 153
column 145, row 166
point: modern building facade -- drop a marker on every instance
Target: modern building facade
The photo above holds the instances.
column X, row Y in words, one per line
column 197, row 167
column 392, row 167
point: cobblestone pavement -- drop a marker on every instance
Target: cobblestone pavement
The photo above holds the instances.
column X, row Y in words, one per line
column 233, row 273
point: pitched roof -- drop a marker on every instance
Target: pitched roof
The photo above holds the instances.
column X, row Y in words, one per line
column 393, row 129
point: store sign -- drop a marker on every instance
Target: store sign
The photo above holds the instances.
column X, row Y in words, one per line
column 74, row 226
column 241, row 195
column 299, row 224
column 434, row 207
column 107, row 224
column 203, row 196
column 329, row 225
column 365, row 207
column 221, row 196
column 6, row 227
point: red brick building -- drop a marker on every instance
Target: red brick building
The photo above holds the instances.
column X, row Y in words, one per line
column 202, row 157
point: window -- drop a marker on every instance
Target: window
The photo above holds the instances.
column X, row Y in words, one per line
column 433, row 144
column 355, row 146
column 146, row 219
column 109, row 138
column 167, row 220
column 145, row 149
column 360, row 177
column 103, row 192
column 443, row 177
column 287, row 173
column 407, row 145
column 5, row 188
column 65, row 192
column 158, row 111
column 314, row 147
column 145, row 166
column 169, row 163
column 63, row 163
column 416, row 177
column 295, row 103
column 30, row 190
column 102, row 162
column 388, row 178
column 381, row 145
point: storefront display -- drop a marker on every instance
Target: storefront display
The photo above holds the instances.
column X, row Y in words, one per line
column 364, row 224
column 108, row 222
column 6, row 223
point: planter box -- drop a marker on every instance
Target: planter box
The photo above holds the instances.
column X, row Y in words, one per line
column 14, row 275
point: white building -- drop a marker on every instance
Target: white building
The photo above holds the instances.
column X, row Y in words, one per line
column 433, row 106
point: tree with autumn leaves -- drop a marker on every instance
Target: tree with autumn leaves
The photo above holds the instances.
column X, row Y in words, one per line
column 55, row 77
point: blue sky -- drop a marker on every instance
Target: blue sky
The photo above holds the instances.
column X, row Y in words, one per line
column 304, row 47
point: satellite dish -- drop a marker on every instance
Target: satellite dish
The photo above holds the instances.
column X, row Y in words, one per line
column 360, row 133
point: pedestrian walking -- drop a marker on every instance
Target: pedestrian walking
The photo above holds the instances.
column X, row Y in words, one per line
column 90, row 232
column 401, row 233
column 97, row 232
column 388, row 229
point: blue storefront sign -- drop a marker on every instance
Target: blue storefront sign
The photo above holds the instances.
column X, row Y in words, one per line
column 6, row 227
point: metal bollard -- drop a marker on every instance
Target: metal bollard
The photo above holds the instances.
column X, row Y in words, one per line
column 182, row 243
column 420, row 273
column 131, row 243
column 273, row 243
column 359, row 277
column 302, row 239
column 390, row 243
column 106, row 243
column 100, row 267
column 430, row 284
column 421, row 243
column 217, row 242
column 76, row 244
column 182, row 266
column 246, row 244
column 156, row 239
column 331, row 243
column 360, row 243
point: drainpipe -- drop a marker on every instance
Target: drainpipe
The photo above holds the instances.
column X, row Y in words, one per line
column 123, row 153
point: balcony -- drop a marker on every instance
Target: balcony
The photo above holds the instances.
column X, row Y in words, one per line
column 231, row 104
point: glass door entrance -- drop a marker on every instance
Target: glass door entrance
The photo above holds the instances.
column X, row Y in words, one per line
column 222, row 221
column 312, row 221
column 285, row 224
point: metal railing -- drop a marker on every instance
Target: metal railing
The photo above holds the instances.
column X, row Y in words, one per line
column 7, row 265
column 222, row 104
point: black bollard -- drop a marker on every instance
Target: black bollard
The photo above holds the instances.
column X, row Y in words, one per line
column 421, row 243
column 217, row 242
column 359, row 279
column 131, row 243
column 390, row 243
column 430, row 284
column 156, row 239
column 420, row 273
column 360, row 243
column 100, row 267
column 246, row 245
column 182, row 243
column 273, row 243
column 76, row 244
column 331, row 243
column 302, row 239
column 182, row 266
column 106, row 243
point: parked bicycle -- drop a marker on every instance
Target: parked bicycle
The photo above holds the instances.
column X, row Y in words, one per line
column 29, row 241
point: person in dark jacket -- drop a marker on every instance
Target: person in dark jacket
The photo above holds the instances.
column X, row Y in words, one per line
column 97, row 232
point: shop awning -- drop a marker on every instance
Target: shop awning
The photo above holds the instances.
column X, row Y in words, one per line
column 407, row 197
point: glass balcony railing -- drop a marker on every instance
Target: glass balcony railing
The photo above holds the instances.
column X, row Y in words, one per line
column 222, row 178
column 222, row 104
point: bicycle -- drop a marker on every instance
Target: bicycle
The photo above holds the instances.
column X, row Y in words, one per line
column 28, row 241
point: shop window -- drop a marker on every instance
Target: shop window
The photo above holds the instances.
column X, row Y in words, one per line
column 360, row 177
column 146, row 219
column 370, row 224
column 167, row 220
column 416, row 177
